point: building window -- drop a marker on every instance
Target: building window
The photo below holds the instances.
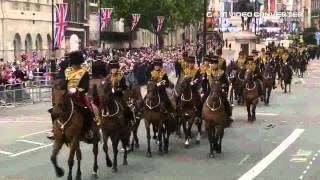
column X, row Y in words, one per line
column 15, row 5
column 38, row 7
column 27, row 6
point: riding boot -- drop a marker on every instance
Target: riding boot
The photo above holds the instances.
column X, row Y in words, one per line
column 96, row 114
column 228, row 110
column 51, row 136
column 260, row 88
column 163, row 108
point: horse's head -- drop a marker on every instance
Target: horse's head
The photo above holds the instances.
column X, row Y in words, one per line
column 216, row 89
column 249, row 76
column 59, row 96
column 107, row 91
column 185, row 83
column 152, row 89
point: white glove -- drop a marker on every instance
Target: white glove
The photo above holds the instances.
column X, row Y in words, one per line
column 113, row 90
column 72, row 90
column 202, row 94
column 159, row 84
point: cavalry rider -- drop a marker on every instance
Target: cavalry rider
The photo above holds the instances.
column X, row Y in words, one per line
column 252, row 67
column 77, row 78
column 183, row 62
column 241, row 60
column 118, row 81
column 217, row 74
column 99, row 72
column 159, row 76
column 285, row 57
column 222, row 61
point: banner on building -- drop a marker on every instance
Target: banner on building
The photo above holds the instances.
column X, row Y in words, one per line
column 105, row 16
column 59, row 23
column 135, row 21
column 160, row 23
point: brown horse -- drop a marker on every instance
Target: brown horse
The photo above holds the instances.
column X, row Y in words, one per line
column 160, row 121
column 113, row 125
column 251, row 95
column 286, row 73
column 134, row 101
column 237, row 83
column 188, row 109
column 214, row 115
column 68, row 128
column 267, row 84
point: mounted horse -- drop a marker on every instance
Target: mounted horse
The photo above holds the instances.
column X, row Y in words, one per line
column 134, row 100
column 69, row 128
column 267, row 83
column 155, row 114
column 251, row 95
column 237, row 84
column 286, row 73
column 214, row 115
column 232, row 72
column 114, row 124
column 189, row 108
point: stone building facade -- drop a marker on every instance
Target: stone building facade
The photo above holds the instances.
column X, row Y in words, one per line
column 25, row 27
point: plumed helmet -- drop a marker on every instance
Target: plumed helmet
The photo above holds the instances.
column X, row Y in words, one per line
column 114, row 64
column 157, row 62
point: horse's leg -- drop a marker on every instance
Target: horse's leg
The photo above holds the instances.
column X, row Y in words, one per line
column 269, row 94
column 147, row 125
column 290, row 87
column 115, row 141
column 184, row 126
column 135, row 134
column 79, row 158
column 221, row 134
column 73, row 148
column 254, row 105
column 105, row 148
column 166, row 135
column 285, row 87
column 95, row 154
column 211, row 132
column 178, row 131
column 160, row 131
column 265, row 94
column 124, row 140
column 190, row 122
column 56, row 148
column 248, row 111
column 155, row 138
column 199, row 130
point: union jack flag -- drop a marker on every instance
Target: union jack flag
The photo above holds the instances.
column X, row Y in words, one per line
column 60, row 23
column 160, row 23
column 105, row 16
column 135, row 20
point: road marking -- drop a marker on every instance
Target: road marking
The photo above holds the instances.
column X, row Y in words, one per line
column 309, row 166
column 31, row 134
column 258, row 168
column 244, row 160
column 24, row 122
column 31, row 142
column 30, row 150
column 5, row 152
column 267, row 114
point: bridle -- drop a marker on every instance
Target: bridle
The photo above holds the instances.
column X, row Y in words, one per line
column 250, row 89
column 213, row 108
column 63, row 124
column 103, row 114
column 150, row 105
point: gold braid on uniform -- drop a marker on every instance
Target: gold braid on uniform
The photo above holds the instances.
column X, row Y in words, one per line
column 157, row 75
column 115, row 78
column 74, row 76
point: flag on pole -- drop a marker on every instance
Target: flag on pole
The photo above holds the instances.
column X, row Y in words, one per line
column 105, row 16
column 59, row 23
column 160, row 23
column 135, row 20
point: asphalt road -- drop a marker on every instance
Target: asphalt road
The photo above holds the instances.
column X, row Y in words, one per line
column 282, row 144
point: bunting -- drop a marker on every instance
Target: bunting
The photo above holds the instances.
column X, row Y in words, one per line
column 105, row 16
column 59, row 23
column 135, row 21
column 160, row 23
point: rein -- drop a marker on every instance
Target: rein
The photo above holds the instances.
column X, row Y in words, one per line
column 186, row 100
column 111, row 115
column 153, row 107
column 213, row 108
column 240, row 78
column 248, row 88
column 62, row 125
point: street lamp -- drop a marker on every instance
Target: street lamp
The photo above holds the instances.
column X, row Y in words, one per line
column 205, row 26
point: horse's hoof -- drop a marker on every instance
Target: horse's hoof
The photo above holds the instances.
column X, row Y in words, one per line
column 109, row 164
column 114, row 170
column 78, row 177
column 137, row 146
column 149, row 155
column 94, row 175
column 69, row 177
column 211, row 156
column 166, row 151
column 122, row 150
column 160, row 153
column 125, row 163
column 59, row 172
column 198, row 141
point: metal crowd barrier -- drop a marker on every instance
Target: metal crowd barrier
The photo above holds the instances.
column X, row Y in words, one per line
column 29, row 92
